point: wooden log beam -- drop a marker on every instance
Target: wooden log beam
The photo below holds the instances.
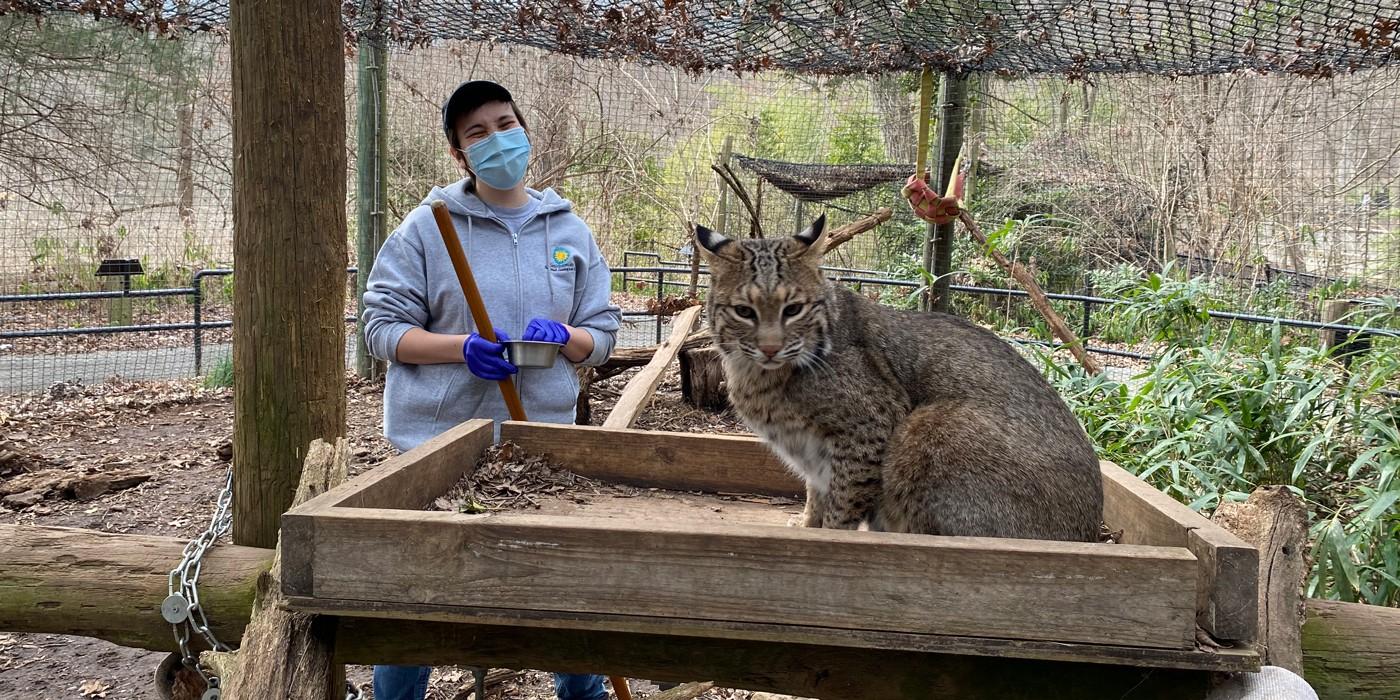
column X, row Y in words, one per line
column 1351, row 650
column 62, row 580
column 638, row 393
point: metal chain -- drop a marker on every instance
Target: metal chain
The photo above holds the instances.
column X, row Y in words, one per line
column 181, row 607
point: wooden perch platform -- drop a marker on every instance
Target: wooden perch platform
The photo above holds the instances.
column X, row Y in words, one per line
column 81, row 582
column 1131, row 605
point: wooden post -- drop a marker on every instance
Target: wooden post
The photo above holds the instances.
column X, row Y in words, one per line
column 371, row 120
column 952, row 108
column 1275, row 522
column 286, row 654
column 721, row 217
column 289, row 249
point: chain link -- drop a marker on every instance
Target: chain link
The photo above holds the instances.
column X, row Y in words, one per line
column 181, row 607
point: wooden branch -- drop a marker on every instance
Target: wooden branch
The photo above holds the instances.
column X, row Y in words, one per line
column 287, row 654
column 727, row 174
column 855, row 228
column 638, row 393
column 1037, row 296
column 1275, row 522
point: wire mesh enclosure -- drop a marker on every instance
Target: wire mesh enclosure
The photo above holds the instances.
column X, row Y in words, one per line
column 1252, row 142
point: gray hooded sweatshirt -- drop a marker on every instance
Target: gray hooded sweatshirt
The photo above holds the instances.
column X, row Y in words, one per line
column 552, row 268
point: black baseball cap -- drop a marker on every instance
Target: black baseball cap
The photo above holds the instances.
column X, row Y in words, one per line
column 467, row 97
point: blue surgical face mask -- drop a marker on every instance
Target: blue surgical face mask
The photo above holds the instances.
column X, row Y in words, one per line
column 499, row 160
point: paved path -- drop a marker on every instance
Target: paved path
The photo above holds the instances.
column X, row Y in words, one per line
column 22, row 373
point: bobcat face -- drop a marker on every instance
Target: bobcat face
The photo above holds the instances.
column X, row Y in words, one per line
column 768, row 299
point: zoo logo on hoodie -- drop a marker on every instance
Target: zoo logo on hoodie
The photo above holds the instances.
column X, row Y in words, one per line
column 561, row 258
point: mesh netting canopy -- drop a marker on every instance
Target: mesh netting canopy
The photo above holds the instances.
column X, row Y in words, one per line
column 815, row 182
column 1009, row 37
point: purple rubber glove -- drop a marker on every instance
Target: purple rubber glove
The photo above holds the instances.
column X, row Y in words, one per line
column 546, row 331
column 487, row 359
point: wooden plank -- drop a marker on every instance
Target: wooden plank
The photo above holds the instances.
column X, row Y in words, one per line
column 1352, row 650
column 1227, row 591
column 680, row 461
column 410, row 480
column 413, row 479
column 637, row 394
column 832, row 673
column 1015, row 589
column 1224, row 660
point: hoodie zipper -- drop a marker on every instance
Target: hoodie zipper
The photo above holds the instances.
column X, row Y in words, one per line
column 515, row 253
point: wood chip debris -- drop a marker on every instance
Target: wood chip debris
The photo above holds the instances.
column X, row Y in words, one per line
column 507, row 478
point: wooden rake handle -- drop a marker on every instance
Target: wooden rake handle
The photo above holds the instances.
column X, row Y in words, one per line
column 478, row 309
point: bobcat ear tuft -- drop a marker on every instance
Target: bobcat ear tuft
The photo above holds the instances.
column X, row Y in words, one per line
column 813, row 239
column 713, row 244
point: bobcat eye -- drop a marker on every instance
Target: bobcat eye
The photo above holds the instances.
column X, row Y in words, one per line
column 792, row 310
column 745, row 311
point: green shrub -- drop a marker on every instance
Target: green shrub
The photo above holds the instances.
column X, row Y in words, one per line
column 1209, row 424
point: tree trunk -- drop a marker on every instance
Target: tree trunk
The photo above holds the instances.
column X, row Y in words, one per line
column 897, row 118
column 184, row 167
column 289, row 166
column 552, row 133
column 702, row 379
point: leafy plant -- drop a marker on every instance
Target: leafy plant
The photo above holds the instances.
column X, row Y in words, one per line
column 220, row 375
column 1207, row 424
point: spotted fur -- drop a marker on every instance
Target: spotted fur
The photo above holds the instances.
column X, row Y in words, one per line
column 904, row 421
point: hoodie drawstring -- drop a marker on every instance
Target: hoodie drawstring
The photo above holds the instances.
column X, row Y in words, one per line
column 548, row 261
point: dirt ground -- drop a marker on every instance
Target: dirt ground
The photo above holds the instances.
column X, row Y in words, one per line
column 175, row 431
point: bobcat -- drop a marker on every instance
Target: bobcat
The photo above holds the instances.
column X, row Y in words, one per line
column 904, row 421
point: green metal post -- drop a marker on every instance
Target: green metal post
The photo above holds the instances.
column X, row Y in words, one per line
column 952, row 117
column 372, row 188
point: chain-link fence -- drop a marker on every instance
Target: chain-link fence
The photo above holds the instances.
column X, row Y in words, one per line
column 115, row 145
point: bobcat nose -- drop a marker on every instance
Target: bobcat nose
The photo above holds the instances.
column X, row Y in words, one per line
column 770, row 350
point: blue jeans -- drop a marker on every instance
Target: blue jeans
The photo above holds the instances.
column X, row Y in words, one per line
column 411, row 683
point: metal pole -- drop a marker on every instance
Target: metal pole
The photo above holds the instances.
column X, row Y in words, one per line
column 198, row 286
column 370, row 141
column 660, row 301
column 952, row 110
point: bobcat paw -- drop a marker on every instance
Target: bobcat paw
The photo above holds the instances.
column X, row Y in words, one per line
column 796, row 520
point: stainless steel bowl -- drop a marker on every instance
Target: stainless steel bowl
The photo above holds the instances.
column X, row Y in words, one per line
column 532, row 354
